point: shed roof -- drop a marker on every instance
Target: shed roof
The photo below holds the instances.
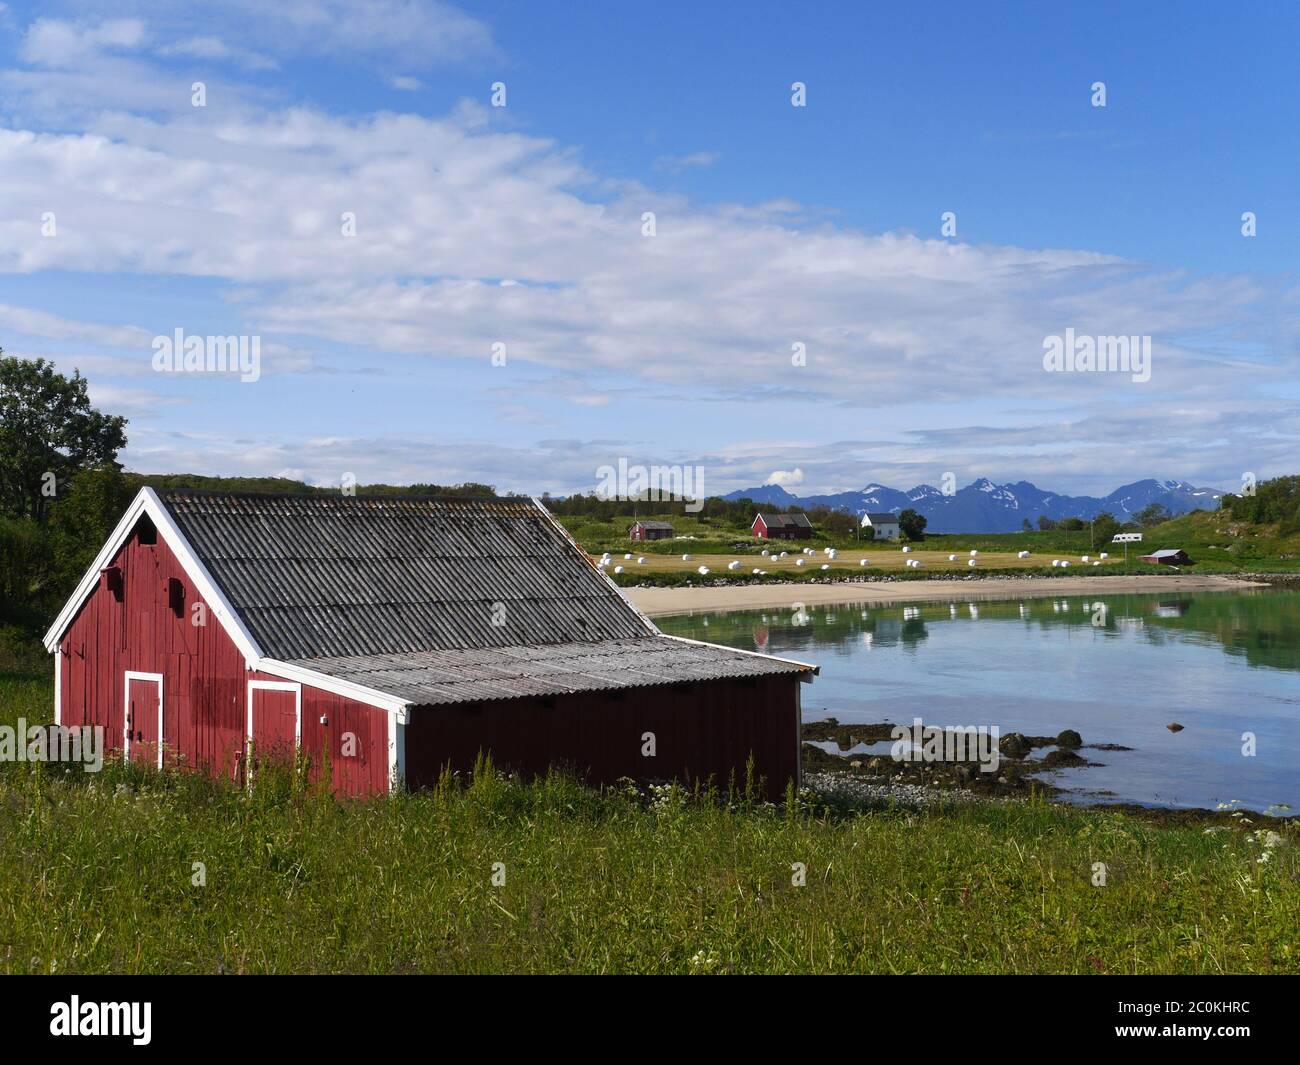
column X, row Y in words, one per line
column 316, row 576
column 429, row 678
column 653, row 525
column 881, row 519
column 430, row 600
column 783, row 521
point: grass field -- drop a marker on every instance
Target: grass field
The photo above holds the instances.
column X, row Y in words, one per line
column 98, row 874
column 1217, row 545
column 884, row 557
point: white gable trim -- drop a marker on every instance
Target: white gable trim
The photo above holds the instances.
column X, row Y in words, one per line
column 147, row 502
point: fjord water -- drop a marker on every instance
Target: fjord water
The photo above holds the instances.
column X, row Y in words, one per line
column 1119, row 669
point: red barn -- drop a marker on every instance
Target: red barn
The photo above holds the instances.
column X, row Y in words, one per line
column 782, row 527
column 1169, row 556
column 392, row 637
column 650, row 530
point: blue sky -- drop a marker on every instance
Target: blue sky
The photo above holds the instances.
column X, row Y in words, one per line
column 774, row 225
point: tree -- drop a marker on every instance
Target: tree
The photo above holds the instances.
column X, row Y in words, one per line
column 1025, row 526
column 48, row 431
column 1071, row 524
column 1151, row 515
column 1104, row 528
column 912, row 524
column 1045, row 524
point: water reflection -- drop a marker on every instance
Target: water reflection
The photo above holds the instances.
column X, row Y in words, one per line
column 1119, row 669
column 1261, row 626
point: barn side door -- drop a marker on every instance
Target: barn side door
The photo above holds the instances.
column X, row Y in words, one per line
column 274, row 722
column 142, row 725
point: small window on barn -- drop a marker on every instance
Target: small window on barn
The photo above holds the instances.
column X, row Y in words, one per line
column 176, row 596
column 112, row 577
column 145, row 532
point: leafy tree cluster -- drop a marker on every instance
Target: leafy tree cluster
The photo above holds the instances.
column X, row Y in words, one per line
column 1276, row 500
column 912, row 525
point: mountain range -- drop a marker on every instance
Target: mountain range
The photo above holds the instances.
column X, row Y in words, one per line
column 983, row 506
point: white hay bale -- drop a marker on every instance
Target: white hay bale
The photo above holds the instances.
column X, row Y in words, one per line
column 971, row 562
column 703, row 570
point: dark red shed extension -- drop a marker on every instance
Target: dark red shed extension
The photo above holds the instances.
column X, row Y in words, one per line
column 398, row 636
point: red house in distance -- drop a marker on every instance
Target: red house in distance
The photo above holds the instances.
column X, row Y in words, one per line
column 1169, row 556
column 650, row 530
column 782, row 527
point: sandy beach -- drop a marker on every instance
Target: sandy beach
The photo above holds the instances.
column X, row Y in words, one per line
column 662, row 601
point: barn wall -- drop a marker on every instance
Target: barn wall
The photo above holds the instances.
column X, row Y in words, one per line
column 702, row 730
column 204, row 678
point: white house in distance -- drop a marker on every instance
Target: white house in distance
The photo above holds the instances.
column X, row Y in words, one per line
column 882, row 526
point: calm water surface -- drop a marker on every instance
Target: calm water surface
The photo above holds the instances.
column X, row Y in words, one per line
column 1118, row 669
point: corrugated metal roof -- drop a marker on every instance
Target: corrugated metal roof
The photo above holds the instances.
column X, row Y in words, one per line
column 317, row 576
column 781, row 521
column 431, row 678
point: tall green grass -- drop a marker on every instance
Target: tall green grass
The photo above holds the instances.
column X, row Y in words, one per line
column 97, row 874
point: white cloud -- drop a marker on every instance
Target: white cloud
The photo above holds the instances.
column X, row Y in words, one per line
column 416, row 34
column 468, row 233
column 785, row 478
column 215, row 49
column 60, row 44
column 447, row 208
column 675, row 164
column 44, row 325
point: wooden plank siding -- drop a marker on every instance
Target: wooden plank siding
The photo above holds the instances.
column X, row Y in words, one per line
column 205, row 678
column 703, row 731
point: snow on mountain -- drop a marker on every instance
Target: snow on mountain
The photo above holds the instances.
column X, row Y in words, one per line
column 983, row 506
